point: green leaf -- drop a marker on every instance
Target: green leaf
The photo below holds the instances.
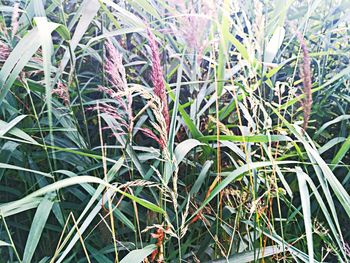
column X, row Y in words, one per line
column 250, row 256
column 5, row 127
column 18, row 168
column 146, row 6
column 222, row 58
column 138, row 255
column 321, row 166
column 183, row 148
column 249, row 138
column 38, row 224
column 45, row 29
column 64, row 32
column 201, row 177
column 86, row 13
column 336, row 77
column 4, row 244
column 239, row 46
column 305, row 204
column 16, row 61
column 16, row 132
column 330, row 144
column 270, row 233
column 23, row 52
column 274, row 44
column 77, row 181
column 337, row 234
column 128, row 17
column 95, row 196
column 329, row 123
column 341, row 153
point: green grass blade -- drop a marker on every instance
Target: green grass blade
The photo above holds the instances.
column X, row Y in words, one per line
column 341, row 153
column 38, row 224
column 305, row 203
column 138, row 255
column 18, row 168
column 249, row 256
column 5, row 127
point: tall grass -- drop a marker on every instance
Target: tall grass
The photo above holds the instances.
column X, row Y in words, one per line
column 174, row 131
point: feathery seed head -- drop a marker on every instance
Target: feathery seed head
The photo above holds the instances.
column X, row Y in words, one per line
column 305, row 74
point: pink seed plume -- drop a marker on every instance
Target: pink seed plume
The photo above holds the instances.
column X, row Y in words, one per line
column 14, row 20
column 62, row 92
column 114, row 67
column 4, row 51
column 157, row 78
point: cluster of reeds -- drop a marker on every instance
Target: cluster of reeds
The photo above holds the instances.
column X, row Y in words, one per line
column 190, row 149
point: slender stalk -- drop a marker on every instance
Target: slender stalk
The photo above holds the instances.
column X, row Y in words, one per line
column 10, row 237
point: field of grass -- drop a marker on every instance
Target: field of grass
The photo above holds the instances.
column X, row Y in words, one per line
column 174, row 131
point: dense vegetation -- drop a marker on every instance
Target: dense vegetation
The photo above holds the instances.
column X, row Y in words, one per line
column 174, row 131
